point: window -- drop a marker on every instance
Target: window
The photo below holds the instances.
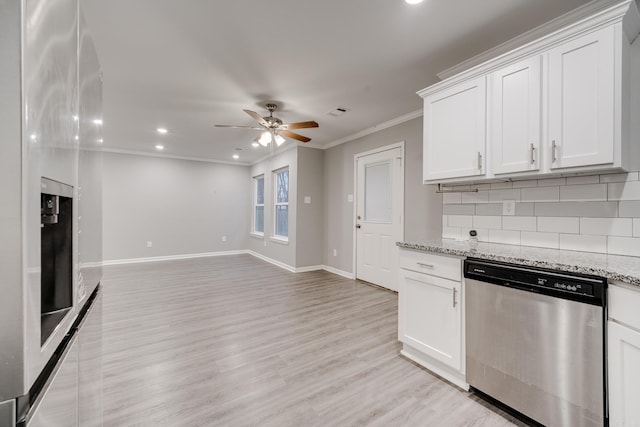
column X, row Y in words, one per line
column 258, row 204
column 281, row 228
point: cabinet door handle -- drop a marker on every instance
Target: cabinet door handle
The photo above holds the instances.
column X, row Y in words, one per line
column 533, row 154
column 454, row 297
column 421, row 264
column 479, row 161
column 554, row 149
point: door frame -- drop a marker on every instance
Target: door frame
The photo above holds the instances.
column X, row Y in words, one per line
column 356, row 156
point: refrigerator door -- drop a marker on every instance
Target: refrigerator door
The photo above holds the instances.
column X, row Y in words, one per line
column 90, row 366
column 58, row 402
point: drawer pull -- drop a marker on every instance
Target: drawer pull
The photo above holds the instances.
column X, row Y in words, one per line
column 454, row 297
column 422, row 264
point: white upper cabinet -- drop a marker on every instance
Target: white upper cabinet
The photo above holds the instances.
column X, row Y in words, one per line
column 455, row 131
column 581, row 101
column 515, row 131
column 566, row 102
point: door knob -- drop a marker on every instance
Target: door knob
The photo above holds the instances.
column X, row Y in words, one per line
column 358, row 226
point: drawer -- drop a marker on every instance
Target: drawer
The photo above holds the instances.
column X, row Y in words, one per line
column 435, row 265
column 623, row 305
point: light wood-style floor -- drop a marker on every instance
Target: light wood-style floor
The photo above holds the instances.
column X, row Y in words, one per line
column 235, row 341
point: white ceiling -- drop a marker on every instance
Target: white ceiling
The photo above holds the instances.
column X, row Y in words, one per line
column 189, row 64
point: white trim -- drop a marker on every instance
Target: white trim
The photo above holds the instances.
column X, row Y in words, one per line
column 166, row 156
column 272, row 261
column 171, row 257
column 547, row 28
column 279, row 240
column 381, row 126
column 256, row 235
column 309, row 268
column 612, row 12
column 342, row 273
column 277, row 263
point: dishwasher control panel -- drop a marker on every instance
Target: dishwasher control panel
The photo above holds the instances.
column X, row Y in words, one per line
column 579, row 287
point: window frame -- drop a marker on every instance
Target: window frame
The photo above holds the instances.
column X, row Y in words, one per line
column 275, row 174
column 255, row 204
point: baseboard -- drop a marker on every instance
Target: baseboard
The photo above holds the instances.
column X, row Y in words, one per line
column 342, row 273
column 171, row 257
column 309, row 268
column 275, row 262
column 272, row 261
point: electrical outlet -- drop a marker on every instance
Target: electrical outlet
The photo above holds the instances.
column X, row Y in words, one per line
column 307, row 200
column 350, row 198
column 335, row 252
column 224, row 238
column 149, row 243
column 508, row 207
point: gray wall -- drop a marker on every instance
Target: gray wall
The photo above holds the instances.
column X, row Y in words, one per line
column 310, row 224
column 183, row 207
column 284, row 253
column 423, row 207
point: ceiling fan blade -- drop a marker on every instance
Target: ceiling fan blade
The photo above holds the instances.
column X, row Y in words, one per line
column 257, row 117
column 236, row 126
column 301, row 125
column 294, row 136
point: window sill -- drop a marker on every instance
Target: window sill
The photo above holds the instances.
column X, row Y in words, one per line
column 256, row 235
column 279, row 240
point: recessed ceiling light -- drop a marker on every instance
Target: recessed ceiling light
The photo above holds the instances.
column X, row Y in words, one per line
column 255, row 144
column 76, row 118
column 413, row 1
column 100, row 141
column 97, row 121
column 236, row 156
column 162, row 130
column 159, row 147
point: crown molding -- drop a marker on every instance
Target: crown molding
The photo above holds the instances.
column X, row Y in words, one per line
column 580, row 13
column 165, row 156
column 609, row 13
column 384, row 125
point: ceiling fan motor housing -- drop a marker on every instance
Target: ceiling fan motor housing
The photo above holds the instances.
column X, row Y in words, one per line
column 273, row 122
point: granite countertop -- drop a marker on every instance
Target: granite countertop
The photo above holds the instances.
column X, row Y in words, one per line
column 618, row 268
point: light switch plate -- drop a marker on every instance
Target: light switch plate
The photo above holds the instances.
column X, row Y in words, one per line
column 307, row 200
column 350, row 198
column 508, row 207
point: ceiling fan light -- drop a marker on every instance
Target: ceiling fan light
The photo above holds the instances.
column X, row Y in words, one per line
column 279, row 140
column 265, row 138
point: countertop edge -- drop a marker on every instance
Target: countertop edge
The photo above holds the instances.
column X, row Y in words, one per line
column 609, row 274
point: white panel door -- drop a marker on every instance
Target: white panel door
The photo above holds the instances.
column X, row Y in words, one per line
column 430, row 317
column 581, row 101
column 515, row 117
column 624, row 375
column 454, row 131
column 380, row 200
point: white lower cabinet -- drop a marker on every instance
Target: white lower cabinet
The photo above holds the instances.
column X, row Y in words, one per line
column 430, row 315
column 624, row 357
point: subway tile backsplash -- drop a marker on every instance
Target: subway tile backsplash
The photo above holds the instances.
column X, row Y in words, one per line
column 593, row 213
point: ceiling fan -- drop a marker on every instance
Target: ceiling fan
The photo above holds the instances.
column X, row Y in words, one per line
column 273, row 129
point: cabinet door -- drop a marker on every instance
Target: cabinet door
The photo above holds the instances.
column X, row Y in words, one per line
column 454, row 131
column 624, row 375
column 581, row 101
column 430, row 316
column 515, row 117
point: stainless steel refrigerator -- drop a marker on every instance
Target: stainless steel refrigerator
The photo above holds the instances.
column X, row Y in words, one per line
column 50, row 216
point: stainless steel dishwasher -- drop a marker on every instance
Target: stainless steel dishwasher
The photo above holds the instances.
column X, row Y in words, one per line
column 535, row 341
